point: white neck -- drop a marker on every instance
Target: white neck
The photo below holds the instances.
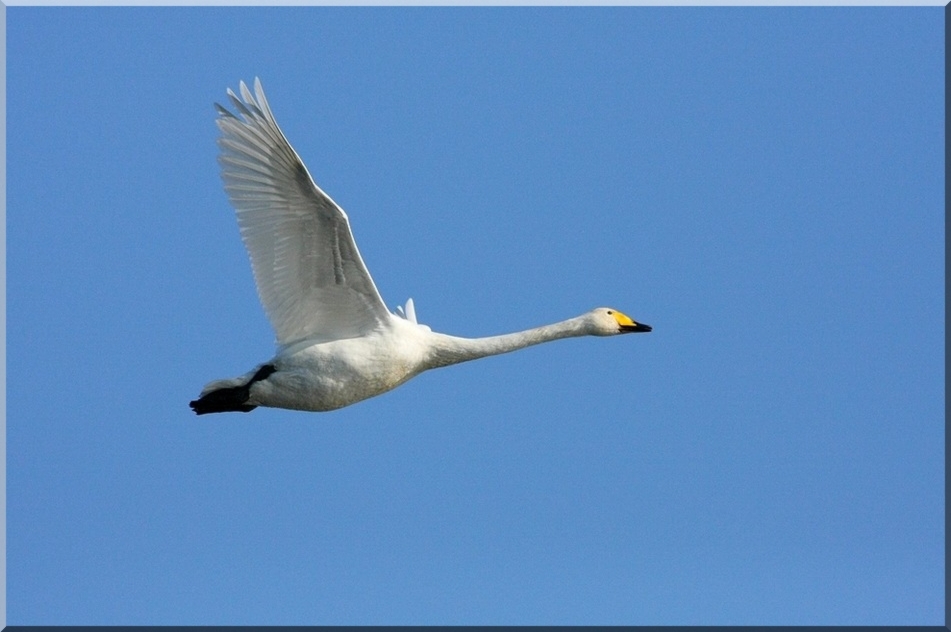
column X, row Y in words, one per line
column 445, row 350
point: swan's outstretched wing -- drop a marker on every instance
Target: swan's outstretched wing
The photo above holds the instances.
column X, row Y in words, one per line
column 309, row 274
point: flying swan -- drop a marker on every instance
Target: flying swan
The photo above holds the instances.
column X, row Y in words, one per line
column 337, row 342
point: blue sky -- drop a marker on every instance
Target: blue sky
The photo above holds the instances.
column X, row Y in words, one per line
column 763, row 186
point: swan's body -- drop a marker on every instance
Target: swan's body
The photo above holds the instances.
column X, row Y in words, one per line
column 338, row 343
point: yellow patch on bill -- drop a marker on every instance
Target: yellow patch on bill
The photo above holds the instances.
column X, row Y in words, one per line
column 622, row 319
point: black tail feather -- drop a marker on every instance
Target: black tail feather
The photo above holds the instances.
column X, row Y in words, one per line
column 224, row 400
column 232, row 399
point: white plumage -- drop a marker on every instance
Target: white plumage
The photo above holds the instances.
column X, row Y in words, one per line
column 337, row 342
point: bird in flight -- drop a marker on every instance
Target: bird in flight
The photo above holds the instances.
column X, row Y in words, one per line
column 337, row 342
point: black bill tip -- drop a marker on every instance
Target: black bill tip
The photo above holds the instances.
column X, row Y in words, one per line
column 635, row 328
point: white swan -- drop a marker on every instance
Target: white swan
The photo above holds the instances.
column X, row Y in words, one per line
column 337, row 342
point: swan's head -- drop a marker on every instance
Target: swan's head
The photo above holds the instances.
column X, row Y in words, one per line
column 606, row 321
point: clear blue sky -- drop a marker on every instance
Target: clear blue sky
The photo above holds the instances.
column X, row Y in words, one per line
column 763, row 186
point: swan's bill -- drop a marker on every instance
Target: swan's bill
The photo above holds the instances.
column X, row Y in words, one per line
column 627, row 325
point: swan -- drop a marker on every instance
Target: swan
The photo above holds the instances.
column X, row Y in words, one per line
column 337, row 342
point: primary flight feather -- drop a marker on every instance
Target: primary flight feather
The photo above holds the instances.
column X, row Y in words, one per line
column 337, row 342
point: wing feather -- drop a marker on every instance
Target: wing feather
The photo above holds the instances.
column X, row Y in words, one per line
column 309, row 274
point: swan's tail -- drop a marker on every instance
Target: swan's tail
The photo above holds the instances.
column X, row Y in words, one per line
column 229, row 399
column 223, row 400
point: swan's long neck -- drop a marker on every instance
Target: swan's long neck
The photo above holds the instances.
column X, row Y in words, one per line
column 446, row 350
